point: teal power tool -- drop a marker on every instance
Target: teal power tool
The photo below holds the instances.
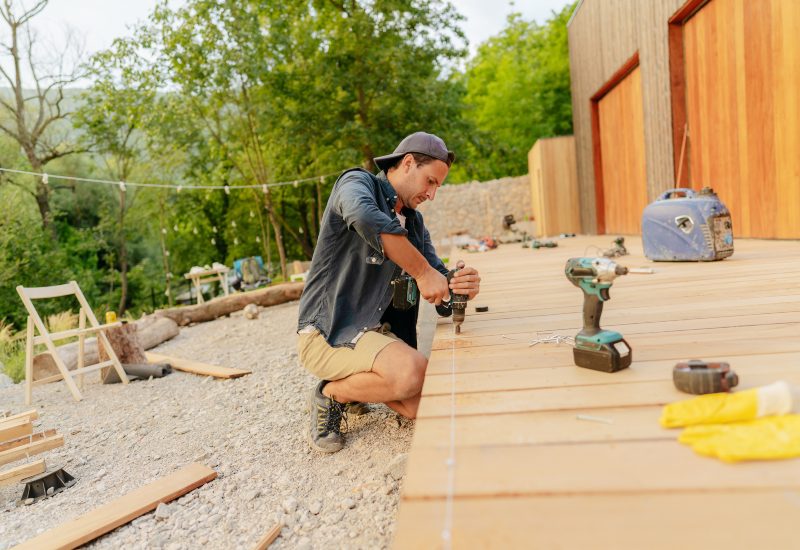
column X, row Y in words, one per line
column 595, row 348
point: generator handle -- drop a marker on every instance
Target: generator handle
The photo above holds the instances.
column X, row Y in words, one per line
column 687, row 192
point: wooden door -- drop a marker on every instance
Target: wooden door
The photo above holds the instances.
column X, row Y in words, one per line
column 742, row 67
column 621, row 136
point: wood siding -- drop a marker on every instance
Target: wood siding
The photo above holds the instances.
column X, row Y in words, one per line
column 621, row 133
column 554, row 186
column 603, row 34
column 742, row 67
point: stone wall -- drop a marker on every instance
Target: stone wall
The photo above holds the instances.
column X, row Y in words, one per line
column 476, row 208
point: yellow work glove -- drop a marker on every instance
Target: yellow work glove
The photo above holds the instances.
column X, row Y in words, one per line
column 769, row 438
column 717, row 408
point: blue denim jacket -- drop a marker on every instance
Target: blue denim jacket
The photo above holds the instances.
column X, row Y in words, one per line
column 348, row 287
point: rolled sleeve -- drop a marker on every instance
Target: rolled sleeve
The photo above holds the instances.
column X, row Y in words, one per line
column 355, row 203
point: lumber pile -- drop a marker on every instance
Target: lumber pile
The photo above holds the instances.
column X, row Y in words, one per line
column 18, row 441
column 225, row 305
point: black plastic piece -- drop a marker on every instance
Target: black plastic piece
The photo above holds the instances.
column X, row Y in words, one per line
column 36, row 487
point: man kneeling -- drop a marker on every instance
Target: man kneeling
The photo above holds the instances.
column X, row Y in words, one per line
column 351, row 336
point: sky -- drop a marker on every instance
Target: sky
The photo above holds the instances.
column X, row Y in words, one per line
column 99, row 22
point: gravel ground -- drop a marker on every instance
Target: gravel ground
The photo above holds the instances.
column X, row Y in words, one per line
column 250, row 430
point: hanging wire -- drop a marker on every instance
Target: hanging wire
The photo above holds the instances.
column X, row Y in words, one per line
column 123, row 184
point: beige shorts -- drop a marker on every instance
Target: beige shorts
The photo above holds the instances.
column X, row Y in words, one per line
column 329, row 363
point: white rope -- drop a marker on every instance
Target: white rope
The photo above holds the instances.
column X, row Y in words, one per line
column 177, row 187
column 450, row 463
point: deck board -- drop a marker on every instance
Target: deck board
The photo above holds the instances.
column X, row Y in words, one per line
column 551, row 455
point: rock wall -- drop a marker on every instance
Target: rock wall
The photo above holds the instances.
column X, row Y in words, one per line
column 476, row 208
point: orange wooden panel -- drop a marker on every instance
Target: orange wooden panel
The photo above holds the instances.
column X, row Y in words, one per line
column 622, row 155
column 742, row 76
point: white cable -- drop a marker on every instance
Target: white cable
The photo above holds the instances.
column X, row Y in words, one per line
column 450, row 463
column 263, row 186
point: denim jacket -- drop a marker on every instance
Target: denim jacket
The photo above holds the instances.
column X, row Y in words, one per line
column 348, row 287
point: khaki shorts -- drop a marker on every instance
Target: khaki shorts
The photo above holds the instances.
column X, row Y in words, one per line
column 329, row 363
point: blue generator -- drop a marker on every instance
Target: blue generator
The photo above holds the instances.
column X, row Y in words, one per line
column 687, row 226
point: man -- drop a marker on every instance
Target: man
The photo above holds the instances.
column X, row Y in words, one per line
column 350, row 335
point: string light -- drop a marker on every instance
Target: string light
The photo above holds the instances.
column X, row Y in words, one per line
column 227, row 190
column 258, row 239
column 179, row 188
column 194, row 230
column 214, row 228
column 233, row 223
column 124, row 185
column 213, row 240
column 175, row 228
column 252, row 214
column 295, row 184
column 235, row 240
column 164, row 230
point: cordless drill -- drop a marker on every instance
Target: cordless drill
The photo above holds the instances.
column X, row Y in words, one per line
column 595, row 348
column 458, row 303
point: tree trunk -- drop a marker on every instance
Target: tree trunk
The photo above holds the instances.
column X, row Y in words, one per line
column 225, row 305
column 123, row 256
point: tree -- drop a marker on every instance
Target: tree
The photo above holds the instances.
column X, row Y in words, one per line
column 112, row 114
column 518, row 90
column 32, row 112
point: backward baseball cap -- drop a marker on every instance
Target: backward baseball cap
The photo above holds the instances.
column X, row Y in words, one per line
column 418, row 142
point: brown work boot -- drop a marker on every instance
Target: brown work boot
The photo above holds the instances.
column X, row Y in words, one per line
column 325, row 421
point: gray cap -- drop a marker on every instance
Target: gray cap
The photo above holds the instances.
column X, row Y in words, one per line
column 418, row 142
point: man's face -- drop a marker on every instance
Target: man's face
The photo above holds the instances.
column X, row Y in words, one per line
column 418, row 184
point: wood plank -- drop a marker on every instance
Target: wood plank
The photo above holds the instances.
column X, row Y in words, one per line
column 195, row 367
column 761, row 366
column 17, row 473
column 14, row 429
column 654, row 521
column 589, row 468
column 18, row 442
column 542, row 428
column 30, row 449
column 630, row 394
column 120, row 511
column 32, row 414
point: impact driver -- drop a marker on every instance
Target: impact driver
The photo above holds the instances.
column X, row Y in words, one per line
column 595, row 348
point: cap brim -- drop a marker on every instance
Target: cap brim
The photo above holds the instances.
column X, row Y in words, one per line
column 387, row 161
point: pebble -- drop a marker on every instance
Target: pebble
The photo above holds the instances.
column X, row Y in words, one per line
column 397, row 467
column 315, row 507
column 349, row 503
column 50, row 491
column 289, row 505
column 163, row 511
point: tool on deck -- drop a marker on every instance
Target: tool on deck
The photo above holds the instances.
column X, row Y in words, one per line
column 689, row 228
column 699, row 377
column 543, row 244
column 617, row 250
column 595, row 348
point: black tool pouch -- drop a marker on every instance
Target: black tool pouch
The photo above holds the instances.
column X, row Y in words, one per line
column 404, row 292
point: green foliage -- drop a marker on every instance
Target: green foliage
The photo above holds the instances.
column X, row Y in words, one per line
column 518, row 90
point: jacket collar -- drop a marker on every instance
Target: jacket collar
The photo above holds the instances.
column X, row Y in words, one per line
column 391, row 195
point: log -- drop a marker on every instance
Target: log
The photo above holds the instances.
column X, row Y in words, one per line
column 225, row 305
column 150, row 331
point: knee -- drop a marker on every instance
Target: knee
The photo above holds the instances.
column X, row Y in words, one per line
column 410, row 376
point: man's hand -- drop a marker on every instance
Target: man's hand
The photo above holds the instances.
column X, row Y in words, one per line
column 433, row 286
column 466, row 281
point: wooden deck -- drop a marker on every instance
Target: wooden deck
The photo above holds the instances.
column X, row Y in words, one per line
column 528, row 473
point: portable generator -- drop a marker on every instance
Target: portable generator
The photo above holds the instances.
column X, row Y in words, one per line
column 687, row 226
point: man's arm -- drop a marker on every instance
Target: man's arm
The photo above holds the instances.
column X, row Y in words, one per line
column 432, row 284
